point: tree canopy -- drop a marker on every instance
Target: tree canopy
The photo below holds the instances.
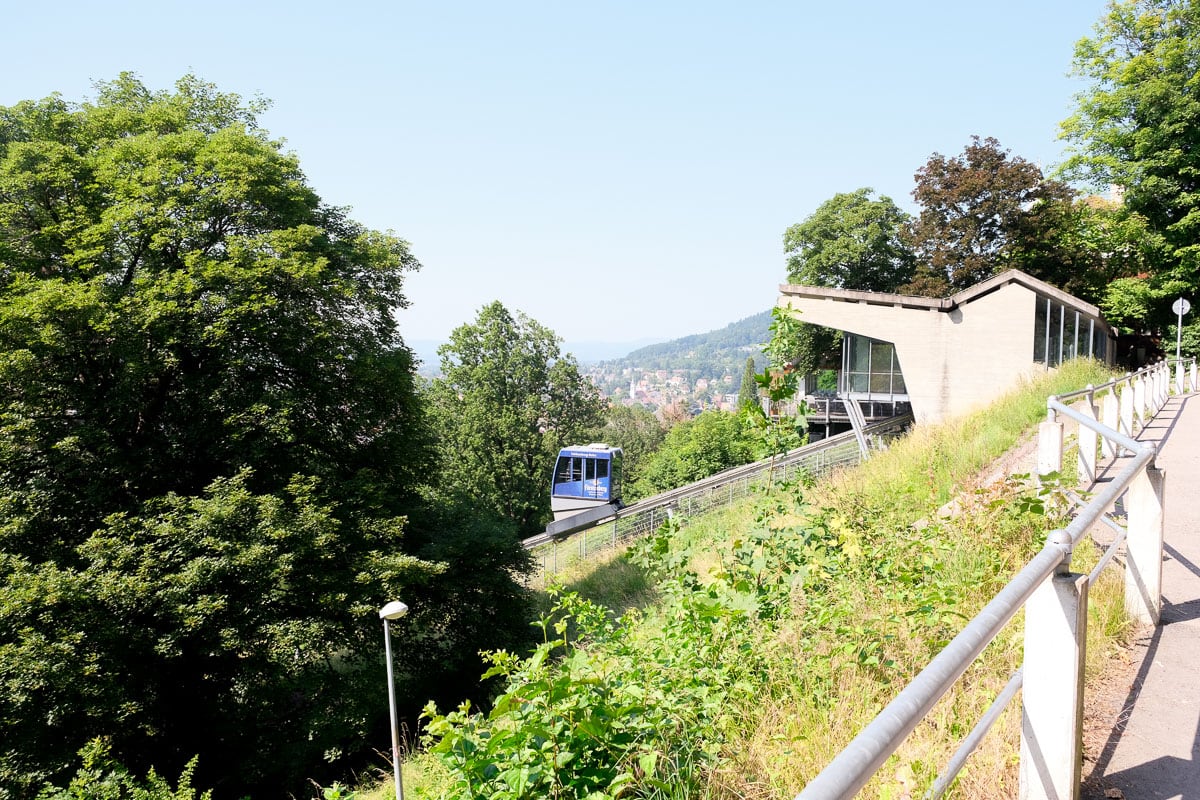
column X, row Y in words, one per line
column 748, row 389
column 178, row 303
column 636, row 431
column 1134, row 128
column 212, row 450
column 983, row 212
column 694, row 449
column 507, row 401
column 851, row 242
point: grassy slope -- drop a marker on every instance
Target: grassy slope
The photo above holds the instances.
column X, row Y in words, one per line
column 832, row 597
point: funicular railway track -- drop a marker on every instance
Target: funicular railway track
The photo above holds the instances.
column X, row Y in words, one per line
column 608, row 528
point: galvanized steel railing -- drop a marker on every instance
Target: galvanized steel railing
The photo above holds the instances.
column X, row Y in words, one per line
column 1052, row 676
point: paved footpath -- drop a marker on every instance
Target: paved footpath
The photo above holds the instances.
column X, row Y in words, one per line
column 1153, row 752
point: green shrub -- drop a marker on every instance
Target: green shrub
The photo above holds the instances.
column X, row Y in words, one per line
column 100, row 777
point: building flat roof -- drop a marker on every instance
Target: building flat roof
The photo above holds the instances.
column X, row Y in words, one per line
column 945, row 303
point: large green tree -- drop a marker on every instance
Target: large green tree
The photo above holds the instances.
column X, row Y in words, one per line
column 507, row 400
column 852, row 241
column 983, row 212
column 748, row 389
column 210, row 440
column 1135, row 127
column 178, row 303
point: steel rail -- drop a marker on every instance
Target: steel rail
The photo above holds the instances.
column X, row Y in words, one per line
column 1128, row 377
column 1143, row 455
column 964, row 751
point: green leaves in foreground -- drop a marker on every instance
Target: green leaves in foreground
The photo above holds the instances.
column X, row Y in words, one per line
column 597, row 714
column 100, row 777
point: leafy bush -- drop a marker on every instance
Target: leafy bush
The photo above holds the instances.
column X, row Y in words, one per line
column 100, row 777
column 695, row 449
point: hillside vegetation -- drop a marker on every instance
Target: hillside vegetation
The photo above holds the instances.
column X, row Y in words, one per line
column 781, row 626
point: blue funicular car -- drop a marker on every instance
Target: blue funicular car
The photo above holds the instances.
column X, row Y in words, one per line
column 585, row 477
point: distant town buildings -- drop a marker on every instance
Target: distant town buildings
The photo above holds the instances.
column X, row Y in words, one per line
column 659, row 389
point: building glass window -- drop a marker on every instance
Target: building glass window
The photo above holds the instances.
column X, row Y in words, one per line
column 858, row 363
column 1054, row 340
column 881, row 367
column 1070, row 333
column 1061, row 333
column 1041, row 310
column 870, row 366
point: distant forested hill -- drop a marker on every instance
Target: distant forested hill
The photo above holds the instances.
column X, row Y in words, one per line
column 712, row 353
column 712, row 356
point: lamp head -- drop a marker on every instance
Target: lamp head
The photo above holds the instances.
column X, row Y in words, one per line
column 393, row 610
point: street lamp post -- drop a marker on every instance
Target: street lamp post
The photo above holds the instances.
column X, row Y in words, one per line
column 1180, row 307
column 393, row 610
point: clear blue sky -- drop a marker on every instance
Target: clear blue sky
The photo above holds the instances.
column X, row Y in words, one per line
column 616, row 170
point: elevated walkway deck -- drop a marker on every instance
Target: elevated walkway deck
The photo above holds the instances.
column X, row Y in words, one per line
column 1152, row 749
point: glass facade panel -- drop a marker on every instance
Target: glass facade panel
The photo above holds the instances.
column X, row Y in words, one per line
column 1054, row 348
column 1070, row 333
column 1061, row 333
column 870, row 366
column 860, row 354
column 1039, row 329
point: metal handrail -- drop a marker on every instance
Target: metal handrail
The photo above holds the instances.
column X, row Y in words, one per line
column 1143, row 454
column 1124, row 379
column 857, row 763
column 973, row 739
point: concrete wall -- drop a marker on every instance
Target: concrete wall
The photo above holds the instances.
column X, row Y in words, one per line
column 954, row 361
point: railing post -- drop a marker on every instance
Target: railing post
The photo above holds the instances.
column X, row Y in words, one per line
column 1050, row 445
column 1139, row 399
column 1052, row 695
column 1110, row 416
column 1179, row 377
column 1127, row 407
column 1087, row 442
column 1144, row 545
column 1192, row 375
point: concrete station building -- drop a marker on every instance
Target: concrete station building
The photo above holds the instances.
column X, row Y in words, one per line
column 946, row 357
